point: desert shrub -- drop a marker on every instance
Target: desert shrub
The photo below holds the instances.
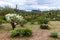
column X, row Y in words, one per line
column 54, row 34
column 0, row 21
column 23, row 22
column 14, row 33
column 33, row 21
column 57, row 18
column 44, row 26
column 44, row 21
column 28, row 32
column 39, row 19
column 1, row 17
column 17, row 32
column 29, row 19
column 21, row 32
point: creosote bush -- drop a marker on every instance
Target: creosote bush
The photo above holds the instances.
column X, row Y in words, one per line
column 54, row 34
column 44, row 26
column 21, row 32
column 44, row 21
column 28, row 32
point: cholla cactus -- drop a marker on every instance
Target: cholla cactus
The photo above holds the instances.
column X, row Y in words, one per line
column 13, row 19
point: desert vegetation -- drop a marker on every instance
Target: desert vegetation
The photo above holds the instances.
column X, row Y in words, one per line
column 34, row 25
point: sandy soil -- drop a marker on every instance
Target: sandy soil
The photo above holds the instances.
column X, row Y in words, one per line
column 38, row 34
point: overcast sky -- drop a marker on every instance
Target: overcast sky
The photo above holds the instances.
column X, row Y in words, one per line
column 32, row 4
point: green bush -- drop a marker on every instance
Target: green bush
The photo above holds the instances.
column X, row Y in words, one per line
column 23, row 22
column 1, row 21
column 17, row 32
column 44, row 21
column 14, row 33
column 29, row 19
column 1, row 17
column 34, row 20
column 21, row 32
column 44, row 26
column 28, row 32
column 54, row 34
column 40, row 19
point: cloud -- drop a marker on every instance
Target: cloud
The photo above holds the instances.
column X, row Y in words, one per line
column 32, row 4
column 2, row 3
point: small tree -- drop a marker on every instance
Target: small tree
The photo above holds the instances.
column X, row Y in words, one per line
column 13, row 19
